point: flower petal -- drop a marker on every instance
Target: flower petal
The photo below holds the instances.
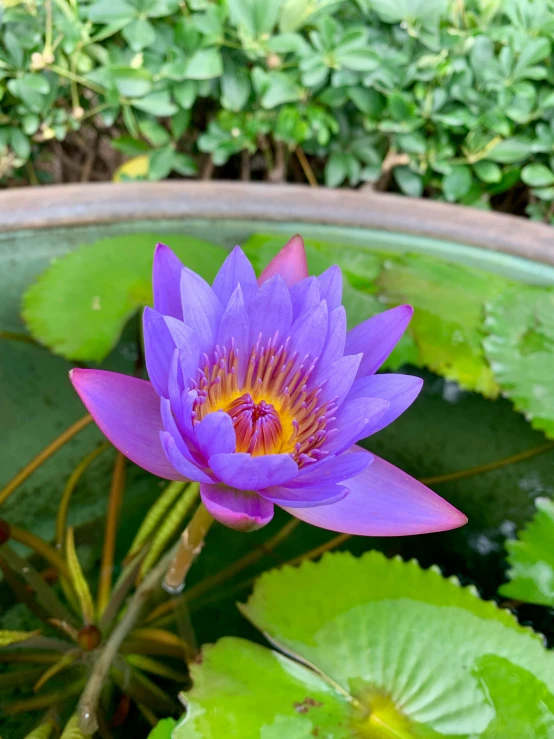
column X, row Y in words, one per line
column 334, row 469
column 308, row 333
column 166, row 279
column 334, row 343
column 238, row 509
column 330, row 286
column 377, row 337
column 305, row 497
column 355, row 420
column 340, row 377
column 184, row 466
column 127, row 410
column 399, row 390
column 270, row 311
column 304, row 296
column 202, row 310
column 235, row 270
column 384, row 501
column 216, row 434
column 235, row 325
column 162, row 335
column 290, row 263
column 184, row 445
column 242, row 471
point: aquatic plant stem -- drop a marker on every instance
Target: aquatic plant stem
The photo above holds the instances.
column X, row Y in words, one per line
column 89, row 699
column 39, row 546
column 188, row 548
column 489, row 467
column 45, row 454
column 114, row 506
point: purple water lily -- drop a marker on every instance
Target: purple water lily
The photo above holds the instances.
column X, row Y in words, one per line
column 258, row 392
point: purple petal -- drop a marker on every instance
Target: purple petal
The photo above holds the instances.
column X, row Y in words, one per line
column 305, row 497
column 308, row 333
column 377, row 337
column 216, row 434
column 290, row 263
column 235, row 270
column 188, row 450
column 334, row 343
column 384, row 501
column 127, row 410
column 235, row 325
column 238, row 509
column 202, row 310
column 162, row 335
column 340, row 377
column 399, row 390
column 184, row 466
column 330, row 287
column 355, row 420
column 304, row 296
column 166, row 278
column 242, row 471
column 271, row 310
column 331, row 470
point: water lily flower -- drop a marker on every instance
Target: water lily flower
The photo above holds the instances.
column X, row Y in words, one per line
column 258, row 392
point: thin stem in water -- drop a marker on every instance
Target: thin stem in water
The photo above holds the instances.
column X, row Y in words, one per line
column 114, row 506
column 188, row 548
column 41, row 458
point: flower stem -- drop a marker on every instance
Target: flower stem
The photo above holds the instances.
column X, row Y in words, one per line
column 45, row 454
column 88, row 703
column 188, row 548
column 39, row 546
column 305, row 164
column 114, row 506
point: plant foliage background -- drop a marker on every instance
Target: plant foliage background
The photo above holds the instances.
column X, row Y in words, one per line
column 448, row 98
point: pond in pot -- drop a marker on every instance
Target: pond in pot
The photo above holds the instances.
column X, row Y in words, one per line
column 475, row 333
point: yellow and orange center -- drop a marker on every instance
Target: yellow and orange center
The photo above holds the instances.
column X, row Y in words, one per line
column 274, row 407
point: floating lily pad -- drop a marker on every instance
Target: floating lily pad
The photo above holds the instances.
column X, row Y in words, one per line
column 531, row 559
column 449, row 302
column 80, row 304
column 520, row 349
column 376, row 648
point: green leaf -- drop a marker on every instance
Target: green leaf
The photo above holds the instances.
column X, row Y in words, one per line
column 132, row 83
column 235, row 86
column 44, row 730
column 8, row 638
column 449, row 311
column 111, row 11
column 20, row 144
column 520, row 349
column 32, row 89
column 457, row 183
column 185, row 93
column 156, row 134
column 139, row 34
column 163, row 729
column 184, row 165
column 156, row 103
column 81, row 302
column 488, row 172
column 78, row 580
column 408, row 181
column 279, row 88
column 397, row 651
column 510, row 151
column 161, row 163
column 537, row 175
column 205, row 64
column 531, row 559
column 336, row 169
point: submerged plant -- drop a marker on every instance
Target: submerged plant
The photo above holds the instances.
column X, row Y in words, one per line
column 258, row 393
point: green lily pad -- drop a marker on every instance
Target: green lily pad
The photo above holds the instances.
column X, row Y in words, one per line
column 382, row 649
column 520, row 349
column 449, row 302
column 80, row 304
column 531, row 558
column 163, row 729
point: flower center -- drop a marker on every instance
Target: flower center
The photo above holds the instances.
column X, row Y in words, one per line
column 275, row 406
column 257, row 425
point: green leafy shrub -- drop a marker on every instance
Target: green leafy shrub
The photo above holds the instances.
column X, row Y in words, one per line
column 448, row 99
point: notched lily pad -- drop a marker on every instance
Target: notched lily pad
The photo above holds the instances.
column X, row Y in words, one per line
column 376, row 648
column 520, row 349
column 80, row 304
column 531, row 558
